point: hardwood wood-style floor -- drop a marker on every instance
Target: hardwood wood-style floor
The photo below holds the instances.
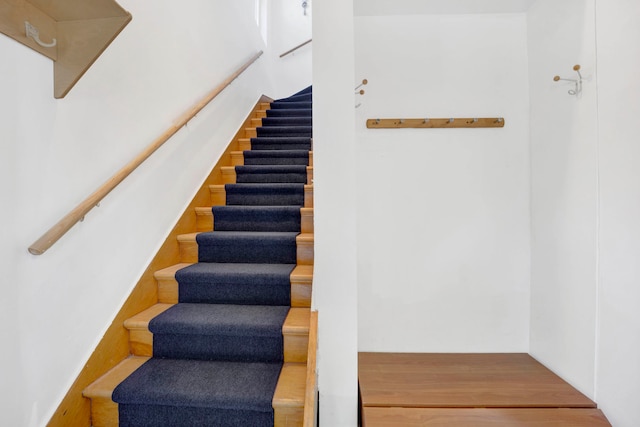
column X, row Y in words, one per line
column 455, row 390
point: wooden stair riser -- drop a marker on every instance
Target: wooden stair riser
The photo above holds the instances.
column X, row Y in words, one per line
column 301, row 285
column 204, row 219
column 261, row 114
column 295, row 332
column 237, row 157
column 229, row 174
column 306, row 220
column 244, row 144
column 301, row 280
column 305, row 251
column 104, row 411
column 250, row 133
column 288, row 399
column 219, row 195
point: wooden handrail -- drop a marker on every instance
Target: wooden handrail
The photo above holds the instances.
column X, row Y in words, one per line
column 296, row 48
column 77, row 214
column 310, row 398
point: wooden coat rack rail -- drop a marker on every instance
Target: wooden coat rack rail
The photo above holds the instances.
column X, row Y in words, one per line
column 453, row 122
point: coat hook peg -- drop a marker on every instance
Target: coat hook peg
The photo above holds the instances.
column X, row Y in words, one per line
column 499, row 120
column 426, row 121
column 364, row 82
column 475, row 120
column 451, row 120
column 377, row 121
column 34, row 33
column 401, row 121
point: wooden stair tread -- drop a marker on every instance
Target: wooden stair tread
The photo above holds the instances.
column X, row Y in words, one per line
column 170, row 272
column 291, row 386
column 305, row 237
column 302, row 274
column 187, row 237
column 103, row 387
column 482, row 417
column 142, row 319
column 462, row 380
column 297, row 321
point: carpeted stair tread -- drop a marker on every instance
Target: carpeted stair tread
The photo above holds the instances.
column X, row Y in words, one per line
column 269, row 131
column 244, row 333
column 276, row 157
column 287, row 121
column 277, row 105
column 290, row 112
column 271, row 174
column 247, row 247
column 256, row 218
column 300, row 97
column 281, row 143
column 201, row 384
column 220, row 319
column 235, row 283
column 278, row 194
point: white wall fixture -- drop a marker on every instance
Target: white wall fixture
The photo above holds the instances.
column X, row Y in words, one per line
column 578, row 82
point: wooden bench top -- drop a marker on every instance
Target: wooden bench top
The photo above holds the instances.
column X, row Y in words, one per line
column 481, row 417
column 462, row 381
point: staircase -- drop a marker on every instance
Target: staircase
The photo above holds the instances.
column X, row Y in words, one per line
column 226, row 344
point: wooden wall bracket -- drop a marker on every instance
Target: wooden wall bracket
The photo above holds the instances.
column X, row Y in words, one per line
column 453, row 122
column 82, row 30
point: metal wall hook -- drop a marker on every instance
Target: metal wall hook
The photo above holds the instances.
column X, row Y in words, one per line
column 577, row 82
column 34, row 33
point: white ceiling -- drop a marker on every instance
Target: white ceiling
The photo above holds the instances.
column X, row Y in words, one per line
column 438, row 7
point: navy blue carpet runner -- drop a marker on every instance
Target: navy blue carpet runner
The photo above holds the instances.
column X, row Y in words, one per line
column 217, row 354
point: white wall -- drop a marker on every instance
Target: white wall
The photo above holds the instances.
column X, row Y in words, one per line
column 443, row 214
column 564, row 190
column 618, row 362
column 55, row 307
column 335, row 291
column 288, row 27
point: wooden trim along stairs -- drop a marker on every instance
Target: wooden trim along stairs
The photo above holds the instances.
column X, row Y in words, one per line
column 127, row 344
